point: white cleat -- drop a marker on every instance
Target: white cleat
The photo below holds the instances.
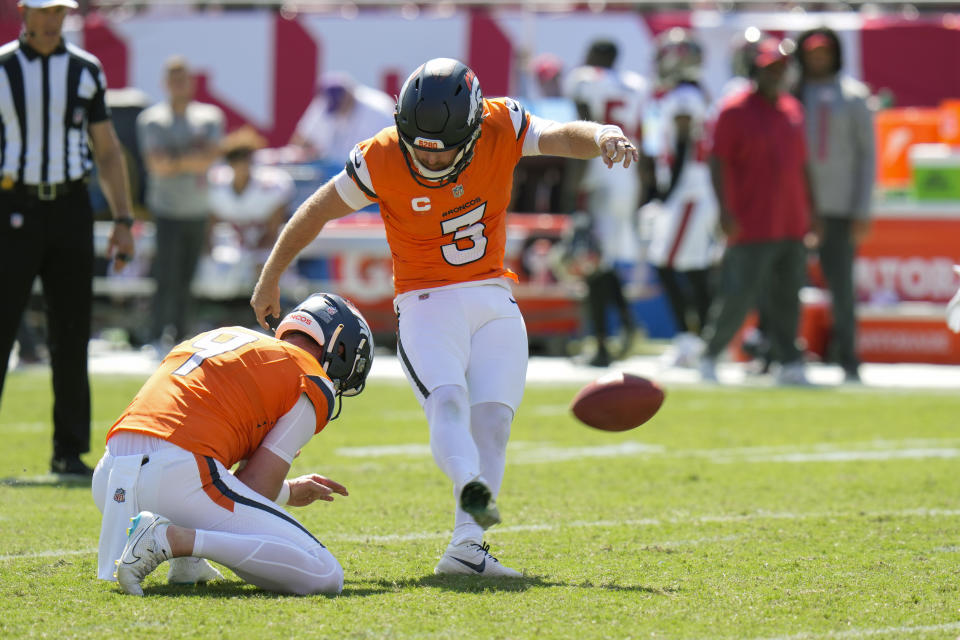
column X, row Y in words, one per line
column 476, row 499
column 189, row 570
column 470, row 558
column 146, row 548
column 793, row 374
column 708, row 370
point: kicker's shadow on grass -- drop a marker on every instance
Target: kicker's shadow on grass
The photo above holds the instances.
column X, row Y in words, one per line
column 360, row 588
column 71, row 481
column 217, row 589
column 474, row 584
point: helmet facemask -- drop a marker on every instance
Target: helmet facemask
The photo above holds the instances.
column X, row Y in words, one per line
column 438, row 178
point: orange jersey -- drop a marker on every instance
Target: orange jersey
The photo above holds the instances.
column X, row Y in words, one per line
column 220, row 393
column 455, row 233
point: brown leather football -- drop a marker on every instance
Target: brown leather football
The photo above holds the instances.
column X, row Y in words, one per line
column 617, row 402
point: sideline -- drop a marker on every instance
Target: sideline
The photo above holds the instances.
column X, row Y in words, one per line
column 554, row 370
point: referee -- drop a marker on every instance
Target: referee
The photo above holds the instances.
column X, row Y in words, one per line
column 52, row 111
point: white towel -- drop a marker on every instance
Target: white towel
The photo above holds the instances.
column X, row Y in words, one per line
column 120, row 504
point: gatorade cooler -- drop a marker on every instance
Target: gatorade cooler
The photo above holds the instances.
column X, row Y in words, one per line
column 896, row 131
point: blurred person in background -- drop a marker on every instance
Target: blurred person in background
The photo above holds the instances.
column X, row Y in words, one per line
column 683, row 244
column 759, row 174
column 541, row 183
column 52, row 116
column 612, row 198
column 546, row 97
column 743, row 50
column 442, row 177
column 341, row 113
column 180, row 140
column 842, row 168
column 248, row 204
column 679, row 59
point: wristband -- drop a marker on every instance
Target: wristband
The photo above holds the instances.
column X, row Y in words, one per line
column 604, row 130
column 125, row 220
column 284, row 496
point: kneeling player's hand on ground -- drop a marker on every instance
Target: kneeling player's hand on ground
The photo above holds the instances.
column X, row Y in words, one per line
column 306, row 489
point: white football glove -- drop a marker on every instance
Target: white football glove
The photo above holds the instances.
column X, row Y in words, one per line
column 953, row 307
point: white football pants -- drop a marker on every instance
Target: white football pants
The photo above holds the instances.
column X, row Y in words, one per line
column 236, row 526
column 464, row 351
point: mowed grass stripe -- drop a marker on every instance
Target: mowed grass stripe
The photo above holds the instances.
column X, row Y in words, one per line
column 578, row 524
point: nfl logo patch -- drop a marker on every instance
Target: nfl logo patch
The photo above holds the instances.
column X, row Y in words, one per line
column 458, row 191
column 119, row 495
column 78, row 116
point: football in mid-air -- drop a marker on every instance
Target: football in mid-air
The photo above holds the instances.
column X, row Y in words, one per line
column 617, row 402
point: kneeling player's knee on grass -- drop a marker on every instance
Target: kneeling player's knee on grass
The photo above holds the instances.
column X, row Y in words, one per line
column 319, row 575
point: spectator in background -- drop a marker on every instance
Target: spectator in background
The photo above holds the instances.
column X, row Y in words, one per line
column 842, row 167
column 540, row 183
column 683, row 244
column 248, row 203
column 547, row 98
column 180, row 140
column 46, row 221
column 603, row 94
column 743, row 51
column 758, row 171
column 341, row 113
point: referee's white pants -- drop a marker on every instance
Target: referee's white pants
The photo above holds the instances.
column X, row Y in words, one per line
column 235, row 526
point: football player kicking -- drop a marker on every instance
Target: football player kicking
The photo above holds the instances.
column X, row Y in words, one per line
column 461, row 340
column 226, row 396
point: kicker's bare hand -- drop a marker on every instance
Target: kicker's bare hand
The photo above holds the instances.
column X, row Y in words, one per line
column 265, row 302
column 311, row 487
column 616, row 148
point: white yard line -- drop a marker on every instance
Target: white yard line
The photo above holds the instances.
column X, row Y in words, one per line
column 588, row 524
column 652, row 522
column 27, row 427
column 897, row 632
column 538, row 452
column 52, row 553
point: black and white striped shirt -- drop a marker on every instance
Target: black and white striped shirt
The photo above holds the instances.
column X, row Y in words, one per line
column 46, row 103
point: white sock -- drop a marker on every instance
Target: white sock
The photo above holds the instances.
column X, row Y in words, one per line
column 490, row 427
column 448, row 414
column 272, row 562
column 160, row 535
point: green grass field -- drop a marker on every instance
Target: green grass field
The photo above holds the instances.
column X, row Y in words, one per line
column 734, row 513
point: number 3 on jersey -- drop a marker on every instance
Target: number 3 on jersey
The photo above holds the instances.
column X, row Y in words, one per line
column 213, row 344
column 465, row 228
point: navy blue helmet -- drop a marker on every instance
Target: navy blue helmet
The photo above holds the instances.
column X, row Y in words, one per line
column 440, row 108
column 337, row 326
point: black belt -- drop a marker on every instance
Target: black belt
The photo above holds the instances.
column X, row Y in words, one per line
column 47, row 191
